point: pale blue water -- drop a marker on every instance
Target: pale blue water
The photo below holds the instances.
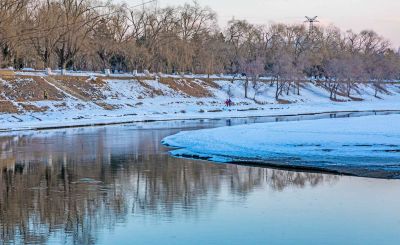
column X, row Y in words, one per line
column 118, row 185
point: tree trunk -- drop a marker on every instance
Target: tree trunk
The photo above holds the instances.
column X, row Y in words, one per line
column 246, row 86
column 298, row 88
column 348, row 89
column 277, row 90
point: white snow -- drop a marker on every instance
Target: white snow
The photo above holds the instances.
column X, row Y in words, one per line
column 370, row 143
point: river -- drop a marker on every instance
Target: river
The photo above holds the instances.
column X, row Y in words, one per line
column 118, row 185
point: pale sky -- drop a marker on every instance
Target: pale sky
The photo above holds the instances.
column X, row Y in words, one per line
column 383, row 16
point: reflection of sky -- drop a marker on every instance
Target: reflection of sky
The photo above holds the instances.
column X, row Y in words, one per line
column 382, row 15
column 354, row 209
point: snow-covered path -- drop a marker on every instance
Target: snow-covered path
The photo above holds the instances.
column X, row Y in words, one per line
column 364, row 146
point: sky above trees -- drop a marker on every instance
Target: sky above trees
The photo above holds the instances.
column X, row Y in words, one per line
column 379, row 15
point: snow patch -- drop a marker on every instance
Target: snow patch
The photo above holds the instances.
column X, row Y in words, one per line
column 346, row 145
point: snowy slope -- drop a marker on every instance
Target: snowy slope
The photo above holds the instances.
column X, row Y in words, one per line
column 120, row 98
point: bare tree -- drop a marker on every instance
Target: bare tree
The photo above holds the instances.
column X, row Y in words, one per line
column 87, row 34
column 252, row 70
column 283, row 71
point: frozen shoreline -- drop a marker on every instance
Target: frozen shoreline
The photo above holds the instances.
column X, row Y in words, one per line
column 365, row 146
column 47, row 125
column 390, row 104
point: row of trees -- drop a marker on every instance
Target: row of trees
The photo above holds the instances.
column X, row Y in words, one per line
column 92, row 35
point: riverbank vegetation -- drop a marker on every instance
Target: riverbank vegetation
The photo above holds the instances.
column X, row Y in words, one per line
column 93, row 35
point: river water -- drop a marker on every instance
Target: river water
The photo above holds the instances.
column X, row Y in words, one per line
column 118, row 185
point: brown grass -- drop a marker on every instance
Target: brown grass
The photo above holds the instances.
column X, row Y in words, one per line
column 7, row 163
column 284, row 102
column 188, row 87
column 153, row 92
column 107, row 106
column 8, row 107
column 33, row 108
column 84, row 86
column 7, row 73
column 26, row 88
column 7, row 77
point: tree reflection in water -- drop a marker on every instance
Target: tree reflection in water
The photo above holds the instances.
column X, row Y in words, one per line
column 70, row 184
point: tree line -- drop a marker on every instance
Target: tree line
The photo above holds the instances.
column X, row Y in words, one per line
column 93, row 35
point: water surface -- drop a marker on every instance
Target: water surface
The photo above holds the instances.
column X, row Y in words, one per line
column 118, row 185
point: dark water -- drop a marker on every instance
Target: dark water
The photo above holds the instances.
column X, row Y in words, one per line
column 118, row 185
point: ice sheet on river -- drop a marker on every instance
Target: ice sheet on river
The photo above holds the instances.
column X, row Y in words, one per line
column 365, row 146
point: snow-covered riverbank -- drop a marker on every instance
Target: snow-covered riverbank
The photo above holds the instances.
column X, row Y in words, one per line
column 365, row 146
column 96, row 100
